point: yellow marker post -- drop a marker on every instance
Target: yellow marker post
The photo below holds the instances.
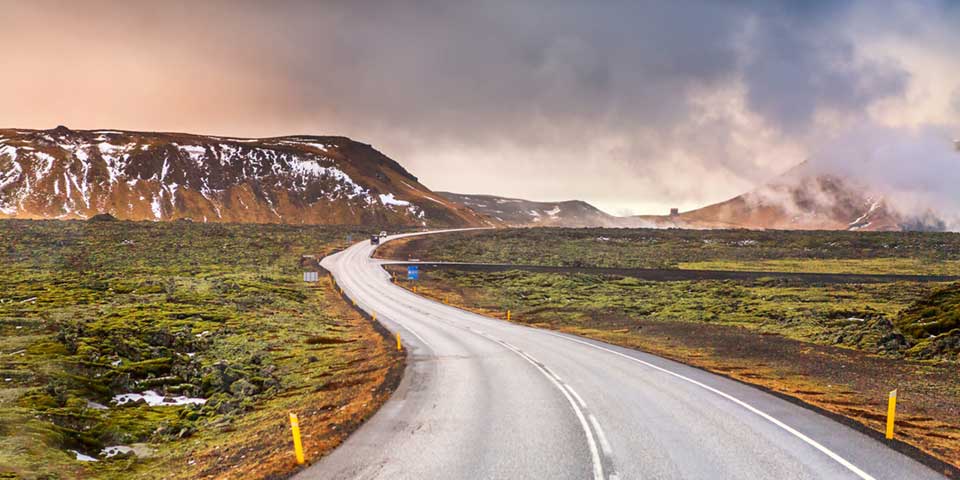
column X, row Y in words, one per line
column 399, row 345
column 354, row 303
column 508, row 315
column 297, row 446
column 891, row 413
column 374, row 317
column 414, row 289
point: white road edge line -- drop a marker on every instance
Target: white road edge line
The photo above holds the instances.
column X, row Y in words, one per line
column 595, row 455
column 813, row 443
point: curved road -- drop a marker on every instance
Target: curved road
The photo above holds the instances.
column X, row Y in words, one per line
column 482, row 398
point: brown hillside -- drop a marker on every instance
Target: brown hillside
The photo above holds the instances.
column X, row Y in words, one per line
column 66, row 174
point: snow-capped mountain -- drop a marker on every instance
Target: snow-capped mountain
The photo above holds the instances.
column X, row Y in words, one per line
column 62, row 173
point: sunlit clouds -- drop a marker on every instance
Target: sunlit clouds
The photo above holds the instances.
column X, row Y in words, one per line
column 633, row 106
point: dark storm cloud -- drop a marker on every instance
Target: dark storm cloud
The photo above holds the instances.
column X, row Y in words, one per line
column 605, row 101
column 797, row 67
column 553, row 75
column 493, row 67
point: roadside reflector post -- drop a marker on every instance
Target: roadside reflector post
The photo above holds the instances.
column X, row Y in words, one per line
column 508, row 315
column 399, row 345
column 414, row 289
column 297, row 446
column 891, row 413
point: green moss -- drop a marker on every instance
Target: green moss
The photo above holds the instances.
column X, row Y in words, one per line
column 817, row 251
column 934, row 321
column 850, row 315
column 93, row 311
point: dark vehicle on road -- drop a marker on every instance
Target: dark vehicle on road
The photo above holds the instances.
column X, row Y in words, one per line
column 374, row 240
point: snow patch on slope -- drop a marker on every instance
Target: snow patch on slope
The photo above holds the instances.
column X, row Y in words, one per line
column 154, row 399
column 197, row 153
column 83, row 458
column 863, row 221
column 155, row 207
column 8, row 151
column 389, row 199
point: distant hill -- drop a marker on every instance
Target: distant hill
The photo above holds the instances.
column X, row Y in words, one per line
column 63, row 173
column 801, row 199
column 526, row 213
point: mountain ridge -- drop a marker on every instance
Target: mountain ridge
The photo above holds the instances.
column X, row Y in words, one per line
column 63, row 173
column 800, row 199
column 520, row 212
column 313, row 179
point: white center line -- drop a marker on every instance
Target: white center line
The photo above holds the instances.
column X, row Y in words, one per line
column 566, row 390
column 575, row 395
column 594, row 454
column 842, row 461
column 604, row 444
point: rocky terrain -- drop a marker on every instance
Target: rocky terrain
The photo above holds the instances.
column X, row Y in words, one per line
column 68, row 174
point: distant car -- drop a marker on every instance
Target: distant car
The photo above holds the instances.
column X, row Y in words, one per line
column 383, row 234
column 374, row 240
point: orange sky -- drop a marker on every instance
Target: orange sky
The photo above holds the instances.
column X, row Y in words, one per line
column 628, row 106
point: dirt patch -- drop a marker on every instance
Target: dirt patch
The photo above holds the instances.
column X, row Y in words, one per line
column 319, row 340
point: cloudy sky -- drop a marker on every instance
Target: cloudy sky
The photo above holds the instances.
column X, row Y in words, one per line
column 636, row 106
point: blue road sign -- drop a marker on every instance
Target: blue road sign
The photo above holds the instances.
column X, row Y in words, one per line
column 413, row 272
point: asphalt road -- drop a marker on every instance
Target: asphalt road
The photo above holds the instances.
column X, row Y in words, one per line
column 482, row 399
